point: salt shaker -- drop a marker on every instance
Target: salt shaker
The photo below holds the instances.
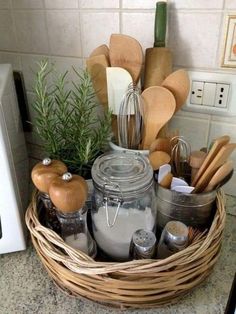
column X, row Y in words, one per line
column 143, row 244
column 174, row 238
column 69, row 194
column 42, row 175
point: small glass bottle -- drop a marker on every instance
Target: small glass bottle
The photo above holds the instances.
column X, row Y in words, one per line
column 69, row 194
column 42, row 175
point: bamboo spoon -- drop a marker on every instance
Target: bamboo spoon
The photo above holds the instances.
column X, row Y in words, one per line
column 178, row 84
column 159, row 107
column 219, row 176
column 126, row 52
column 218, row 161
column 217, row 145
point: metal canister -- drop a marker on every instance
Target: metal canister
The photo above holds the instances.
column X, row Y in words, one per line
column 143, row 244
column 174, row 238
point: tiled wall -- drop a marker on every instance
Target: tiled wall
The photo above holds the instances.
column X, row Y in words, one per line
column 66, row 31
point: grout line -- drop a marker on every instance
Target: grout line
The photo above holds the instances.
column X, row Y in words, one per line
column 81, row 29
column 46, row 26
column 120, row 17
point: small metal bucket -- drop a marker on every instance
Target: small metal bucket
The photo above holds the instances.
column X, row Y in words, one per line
column 194, row 210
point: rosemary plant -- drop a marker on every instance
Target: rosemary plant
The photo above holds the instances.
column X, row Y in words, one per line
column 67, row 119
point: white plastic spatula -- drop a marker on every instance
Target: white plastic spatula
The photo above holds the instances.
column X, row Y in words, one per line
column 118, row 80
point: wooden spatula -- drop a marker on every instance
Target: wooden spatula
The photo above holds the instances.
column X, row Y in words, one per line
column 96, row 66
column 159, row 107
column 218, row 144
column 126, row 52
column 219, row 176
column 218, row 161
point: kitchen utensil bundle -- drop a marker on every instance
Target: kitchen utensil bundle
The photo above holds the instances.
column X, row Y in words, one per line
column 130, row 118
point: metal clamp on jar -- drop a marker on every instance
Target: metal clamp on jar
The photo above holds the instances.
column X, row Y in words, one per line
column 123, row 201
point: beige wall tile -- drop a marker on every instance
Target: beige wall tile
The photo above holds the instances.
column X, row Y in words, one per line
column 5, row 4
column 97, row 28
column 230, row 4
column 101, row 4
column 139, row 4
column 64, row 33
column 196, row 4
column 61, row 4
column 31, row 31
column 194, row 130
column 193, row 38
column 140, row 26
column 11, row 58
column 27, row 4
column 7, row 36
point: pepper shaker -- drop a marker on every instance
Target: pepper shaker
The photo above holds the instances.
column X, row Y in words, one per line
column 174, row 238
column 69, row 194
column 42, row 175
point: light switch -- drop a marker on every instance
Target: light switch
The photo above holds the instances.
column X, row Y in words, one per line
column 209, row 92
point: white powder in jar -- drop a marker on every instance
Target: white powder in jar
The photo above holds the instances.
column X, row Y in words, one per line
column 115, row 241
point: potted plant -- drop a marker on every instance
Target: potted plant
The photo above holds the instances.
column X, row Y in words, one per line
column 68, row 120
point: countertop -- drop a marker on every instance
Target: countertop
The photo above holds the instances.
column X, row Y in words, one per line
column 25, row 286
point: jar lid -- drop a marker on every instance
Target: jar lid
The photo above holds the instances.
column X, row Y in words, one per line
column 122, row 172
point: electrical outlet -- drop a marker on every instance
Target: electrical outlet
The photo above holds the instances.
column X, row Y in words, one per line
column 212, row 93
column 222, row 92
column 196, row 92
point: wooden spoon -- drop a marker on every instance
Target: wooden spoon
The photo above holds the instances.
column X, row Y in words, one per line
column 126, row 52
column 218, row 144
column 218, row 161
column 162, row 144
column 158, row 159
column 219, row 175
column 100, row 50
column 159, row 107
column 96, row 66
column 178, row 83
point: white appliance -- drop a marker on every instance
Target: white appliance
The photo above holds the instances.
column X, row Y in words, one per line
column 14, row 168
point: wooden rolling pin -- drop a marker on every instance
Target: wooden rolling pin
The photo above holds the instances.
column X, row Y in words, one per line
column 158, row 60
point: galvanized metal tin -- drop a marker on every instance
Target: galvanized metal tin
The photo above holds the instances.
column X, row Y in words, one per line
column 192, row 209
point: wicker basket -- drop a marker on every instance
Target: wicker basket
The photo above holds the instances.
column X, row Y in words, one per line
column 134, row 284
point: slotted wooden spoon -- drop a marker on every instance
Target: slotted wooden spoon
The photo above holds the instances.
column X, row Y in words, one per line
column 159, row 107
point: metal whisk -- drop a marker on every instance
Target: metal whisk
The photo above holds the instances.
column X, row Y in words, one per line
column 180, row 155
column 129, row 120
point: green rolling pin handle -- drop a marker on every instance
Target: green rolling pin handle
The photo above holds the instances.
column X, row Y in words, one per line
column 160, row 24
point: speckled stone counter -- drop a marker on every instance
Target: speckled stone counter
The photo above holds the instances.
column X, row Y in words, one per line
column 26, row 288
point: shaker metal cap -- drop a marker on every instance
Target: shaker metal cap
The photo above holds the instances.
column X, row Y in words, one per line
column 177, row 232
column 125, row 171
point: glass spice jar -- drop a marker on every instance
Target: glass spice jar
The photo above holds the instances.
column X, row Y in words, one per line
column 42, row 175
column 69, row 194
column 123, row 201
